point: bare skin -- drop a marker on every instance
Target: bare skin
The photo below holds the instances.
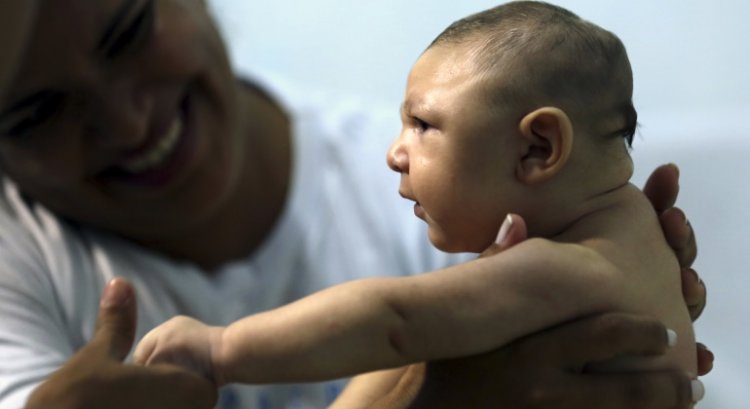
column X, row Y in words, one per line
column 103, row 356
column 96, row 376
column 118, row 385
column 15, row 18
column 602, row 240
column 137, row 387
column 550, row 357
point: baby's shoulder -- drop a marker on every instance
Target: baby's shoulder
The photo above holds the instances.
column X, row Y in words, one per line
column 630, row 236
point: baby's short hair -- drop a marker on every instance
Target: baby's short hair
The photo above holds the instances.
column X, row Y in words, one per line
column 539, row 53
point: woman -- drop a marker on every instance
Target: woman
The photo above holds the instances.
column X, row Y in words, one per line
column 131, row 150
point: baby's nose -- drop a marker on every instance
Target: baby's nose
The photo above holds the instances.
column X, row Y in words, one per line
column 397, row 157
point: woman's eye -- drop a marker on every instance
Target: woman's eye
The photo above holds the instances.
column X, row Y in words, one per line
column 138, row 31
column 46, row 109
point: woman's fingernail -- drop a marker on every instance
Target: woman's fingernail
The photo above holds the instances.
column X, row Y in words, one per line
column 705, row 348
column 115, row 294
column 693, row 275
column 676, row 168
column 697, row 390
column 504, row 229
column 671, row 338
column 711, row 355
column 682, row 216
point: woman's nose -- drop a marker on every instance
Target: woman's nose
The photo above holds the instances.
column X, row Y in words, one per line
column 397, row 157
column 121, row 116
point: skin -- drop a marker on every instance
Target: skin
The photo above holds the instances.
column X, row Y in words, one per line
column 449, row 136
column 96, row 376
column 16, row 19
column 444, row 128
column 542, row 362
column 113, row 106
column 100, row 362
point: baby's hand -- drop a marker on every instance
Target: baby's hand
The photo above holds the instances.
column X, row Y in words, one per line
column 184, row 342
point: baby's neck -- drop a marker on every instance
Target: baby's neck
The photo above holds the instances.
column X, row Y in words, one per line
column 575, row 195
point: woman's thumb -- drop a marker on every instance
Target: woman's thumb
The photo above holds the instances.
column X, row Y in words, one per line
column 116, row 322
column 512, row 231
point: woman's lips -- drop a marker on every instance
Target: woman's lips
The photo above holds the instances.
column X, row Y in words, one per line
column 163, row 161
column 156, row 156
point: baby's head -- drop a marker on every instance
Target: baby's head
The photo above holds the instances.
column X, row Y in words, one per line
column 523, row 108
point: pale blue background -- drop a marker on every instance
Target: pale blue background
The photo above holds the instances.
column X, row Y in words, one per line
column 690, row 61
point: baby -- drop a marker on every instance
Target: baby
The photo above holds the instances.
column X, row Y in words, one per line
column 525, row 109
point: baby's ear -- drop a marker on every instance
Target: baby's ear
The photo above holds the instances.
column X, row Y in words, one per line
column 547, row 139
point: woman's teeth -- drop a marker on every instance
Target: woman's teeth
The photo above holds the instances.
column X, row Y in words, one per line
column 158, row 153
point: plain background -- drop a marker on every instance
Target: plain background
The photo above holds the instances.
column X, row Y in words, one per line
column 690, row 61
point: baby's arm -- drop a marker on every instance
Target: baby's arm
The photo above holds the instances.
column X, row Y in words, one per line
column 379, row 323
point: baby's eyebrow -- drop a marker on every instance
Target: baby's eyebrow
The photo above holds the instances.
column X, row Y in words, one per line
column 408, row 106
column 417, row 105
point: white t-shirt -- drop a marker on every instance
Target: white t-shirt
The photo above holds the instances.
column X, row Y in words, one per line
column 343, row 220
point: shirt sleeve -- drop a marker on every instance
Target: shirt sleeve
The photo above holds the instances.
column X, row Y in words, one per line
column 33, row 337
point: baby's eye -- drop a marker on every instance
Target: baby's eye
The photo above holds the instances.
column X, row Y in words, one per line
column 421, row 125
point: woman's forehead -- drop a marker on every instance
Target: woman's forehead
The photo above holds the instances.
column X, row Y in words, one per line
column 65, row 34
column 16, row 20
column 75, row 16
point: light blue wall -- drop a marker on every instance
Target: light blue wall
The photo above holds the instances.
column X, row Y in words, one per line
column 687, row 55
column 690, row 60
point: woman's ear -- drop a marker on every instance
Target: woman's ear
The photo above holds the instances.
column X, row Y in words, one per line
column 547, row 135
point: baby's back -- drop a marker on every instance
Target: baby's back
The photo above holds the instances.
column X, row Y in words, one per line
column 629, row 236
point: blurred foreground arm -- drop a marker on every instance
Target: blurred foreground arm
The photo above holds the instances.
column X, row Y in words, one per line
column 95, row 377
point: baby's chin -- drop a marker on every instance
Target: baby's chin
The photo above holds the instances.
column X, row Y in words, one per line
column 447, row 245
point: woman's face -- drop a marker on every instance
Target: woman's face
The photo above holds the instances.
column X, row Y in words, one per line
column 15, row 22
column 124, row 116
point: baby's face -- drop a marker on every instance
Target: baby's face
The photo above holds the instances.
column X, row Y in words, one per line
column 455, row 153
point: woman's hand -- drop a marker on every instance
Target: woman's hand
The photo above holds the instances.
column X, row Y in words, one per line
column 661, row 189
column 543, row 369
column 95, row 377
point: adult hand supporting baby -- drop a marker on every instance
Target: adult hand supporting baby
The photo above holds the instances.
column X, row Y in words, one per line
column 546, row 369
column 662, row 188
column 95, row 377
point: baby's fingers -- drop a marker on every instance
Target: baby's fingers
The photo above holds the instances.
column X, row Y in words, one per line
column 145, row 349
